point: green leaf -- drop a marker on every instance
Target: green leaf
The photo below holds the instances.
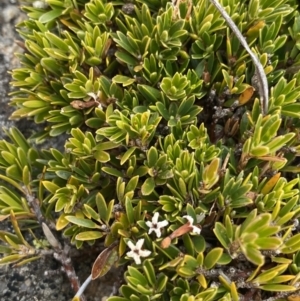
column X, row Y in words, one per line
column 211, row 172
column 61, row 222
column 18, row 230
column 188, row 243
column 291, row 245
column 185, row 272
column 10, row 198
column 82, row 222
column 268, row 243
column 51, row 15
column 259, row 151
column 294, row 240
column 90, row 213
column 199, row 243
column 19, row 139
column 225, row 259
column 220, row 232
column 144, row 291
column 250, row 217
column 94, row 122
column 8, row 157
column 112, row 171
column 101, row 156
column 137, row 275
column 152, row 157
column 161, row 283
column 163, row 110
column 51, row 65
column 151, row 94
column 117, row 299
column 14, row 172
column 132, row 184
column 127, row 155
column 129, row 210
column 55, row 40
column 50, row 186
column 11, row 258
column 268, row 275
column 282, row 279
column 291, row 110
column 124, row 80
column 102, row 207
column 11, row 182
column 253, row 255
column 89, row 235
column 149, row 272
column 260, row 222
column 211, row 259
column 191, row 211
column 228, row 79
column 279, row 142
column 26, row 177
column 127, row 291
column 126, row 58
column 148, row 186
column 26, row 261
column 110, row 208
column 278, row 288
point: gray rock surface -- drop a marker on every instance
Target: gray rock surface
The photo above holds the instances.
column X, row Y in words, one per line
column 41, row 280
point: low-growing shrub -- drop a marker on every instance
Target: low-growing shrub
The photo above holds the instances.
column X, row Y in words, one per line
column 172, row 159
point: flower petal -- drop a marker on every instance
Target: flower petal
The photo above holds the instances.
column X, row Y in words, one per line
column 149, row 224
column 130, row 245
column 144, row 253
column 157, row 232
column 162, row 224
column 139, row 244
column 189, row 218
column 137, row 259
column 135, row 256
column 130, row 254
column 151, row 230
column 155, row 218
column 196, row 230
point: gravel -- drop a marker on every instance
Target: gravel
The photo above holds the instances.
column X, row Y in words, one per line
column 41, row 280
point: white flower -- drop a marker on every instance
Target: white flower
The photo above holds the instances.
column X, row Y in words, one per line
column 191, row 221
column 136, row 251
column 93, row 95
column 155, row 225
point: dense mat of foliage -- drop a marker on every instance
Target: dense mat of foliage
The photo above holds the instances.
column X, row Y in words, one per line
column 169, row 160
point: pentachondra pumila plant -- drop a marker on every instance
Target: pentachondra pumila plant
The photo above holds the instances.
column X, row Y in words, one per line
column 169, row 160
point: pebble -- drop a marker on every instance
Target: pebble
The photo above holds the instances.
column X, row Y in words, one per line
column 10, row 13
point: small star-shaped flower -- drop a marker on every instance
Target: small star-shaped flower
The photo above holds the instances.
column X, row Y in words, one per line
column 155, row 225
column 191, row 221
column 94, row 95
column 136, row 251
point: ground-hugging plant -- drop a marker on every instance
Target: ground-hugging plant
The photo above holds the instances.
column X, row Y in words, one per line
column 169, row 161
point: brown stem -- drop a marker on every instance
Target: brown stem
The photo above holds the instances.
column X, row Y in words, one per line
column 61, row 254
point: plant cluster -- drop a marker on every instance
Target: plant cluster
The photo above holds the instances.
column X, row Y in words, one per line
column 169, row 160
